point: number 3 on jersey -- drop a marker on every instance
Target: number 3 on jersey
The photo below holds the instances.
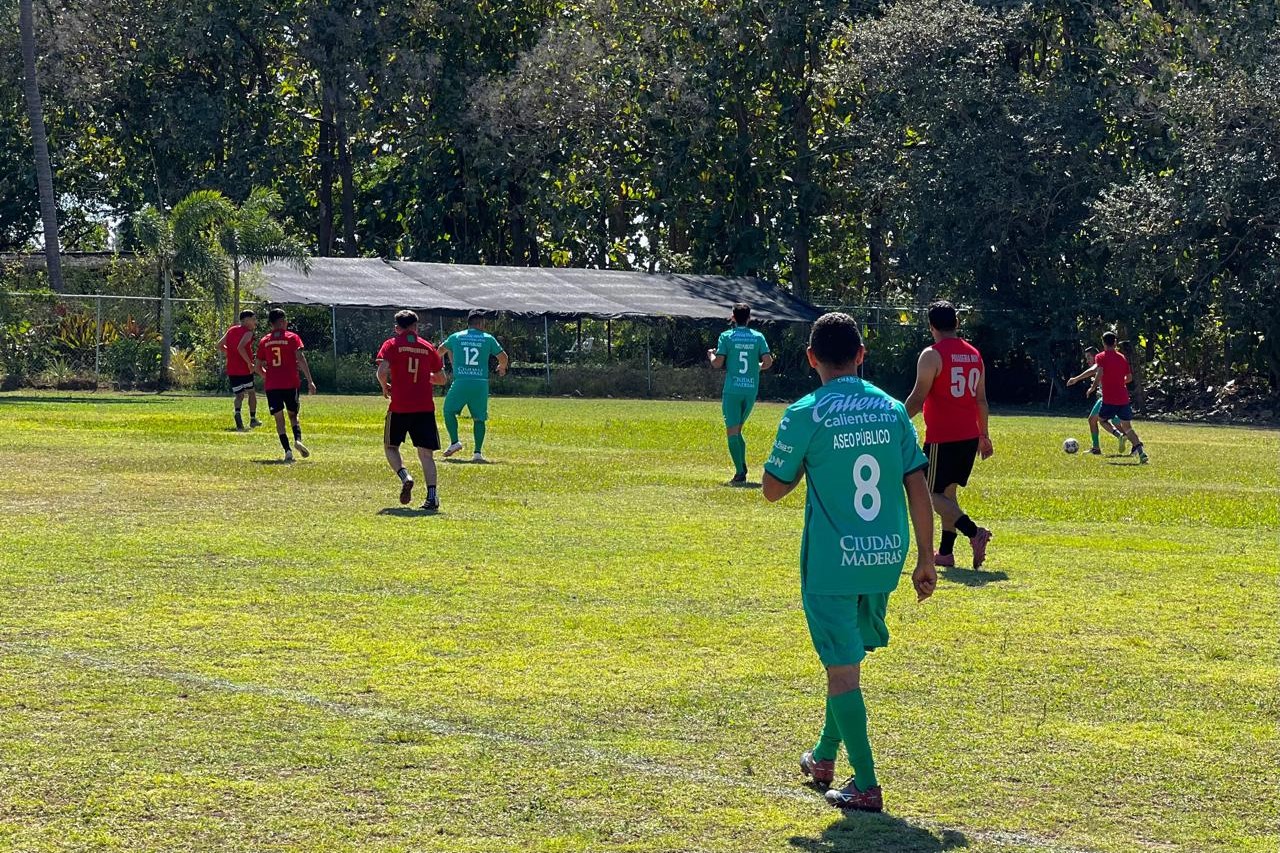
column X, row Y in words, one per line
column 866, row 487
column 959, row 384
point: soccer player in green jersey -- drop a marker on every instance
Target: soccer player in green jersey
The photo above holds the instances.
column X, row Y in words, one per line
column 743, row 353
column 859, row 452
column 468, row 352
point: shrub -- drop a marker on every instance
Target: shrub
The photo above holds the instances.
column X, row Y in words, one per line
column 132, row 361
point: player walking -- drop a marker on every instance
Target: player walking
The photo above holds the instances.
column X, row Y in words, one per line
column 279, row 357
column 468, row 353
column 1114, row 374
column 237, row 346
column 407, row 365
column 1095, row 414
column 743, row 353
column 951, row 389
column 859, row 451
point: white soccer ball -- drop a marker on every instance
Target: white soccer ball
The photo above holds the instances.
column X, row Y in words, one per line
column 1071, row 445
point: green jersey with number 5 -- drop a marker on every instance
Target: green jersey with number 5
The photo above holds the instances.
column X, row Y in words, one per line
column 742, row 348
column 470, row 351
column 854, row 444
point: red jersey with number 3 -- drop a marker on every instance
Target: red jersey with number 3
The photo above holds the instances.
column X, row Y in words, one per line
column 236, row 365
column 278, row 352
column 951, row 409
column 412, row 362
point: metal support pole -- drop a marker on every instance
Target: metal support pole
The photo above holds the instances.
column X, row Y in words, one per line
column 648, row 358
column 334, row 316
column 546, row 342
column 609, row 330
column 97, row 345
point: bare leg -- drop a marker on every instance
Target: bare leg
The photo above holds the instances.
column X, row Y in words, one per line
column 394, row 459
column 253, row 405
column 428, row 460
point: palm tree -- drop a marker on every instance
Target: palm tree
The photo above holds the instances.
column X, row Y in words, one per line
column 184, row 239
column 40, row 141
column 253, row 236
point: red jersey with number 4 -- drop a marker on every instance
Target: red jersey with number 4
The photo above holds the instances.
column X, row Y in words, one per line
column 951, row 409
column 1115, row 370
column 412, row 361
column 278, row 353
column 236, row 365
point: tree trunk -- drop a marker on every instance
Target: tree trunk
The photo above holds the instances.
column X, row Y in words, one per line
column 40, row 142
column 324, row 193
column 347, row 175
column 166, row 327
column 878, row 255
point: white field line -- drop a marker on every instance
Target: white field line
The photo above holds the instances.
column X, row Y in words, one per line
column 420, row 722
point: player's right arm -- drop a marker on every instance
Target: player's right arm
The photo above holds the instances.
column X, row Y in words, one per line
column 717, row 356
column 985, row 447
column 384, row 377
column 1091, row 370
column 785, row 467
column 245, row 352
column 928, row 366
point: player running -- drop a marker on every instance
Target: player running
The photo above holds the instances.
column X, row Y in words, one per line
column 859, row 451
column 951, row 390
column 237, row 346
column 1114, row 375
column 1095, row 415
column 279, row 357
column 468, row 353
column 407, row 366
column 743, row 353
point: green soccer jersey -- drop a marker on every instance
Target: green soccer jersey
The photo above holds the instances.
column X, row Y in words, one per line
column 742, row 348
column 470, row 352
column 854, row 444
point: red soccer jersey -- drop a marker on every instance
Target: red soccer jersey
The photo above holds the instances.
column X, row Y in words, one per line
column 278, row 352
column 412, row 361
column 236, row 364
column 951, row 409
column 1115, row 369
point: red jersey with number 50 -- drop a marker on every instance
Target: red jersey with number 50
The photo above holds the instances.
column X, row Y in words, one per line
column 951, row 409
column 278, row 352
column 412, row 361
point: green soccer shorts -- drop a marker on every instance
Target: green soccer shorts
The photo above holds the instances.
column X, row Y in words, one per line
column 1097, row 408
column 845, row 627
column 474, row 396
column 737, row 408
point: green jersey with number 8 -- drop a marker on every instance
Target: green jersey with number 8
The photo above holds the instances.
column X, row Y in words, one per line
column 854, row 444
column 742, row 348
column 470, row 352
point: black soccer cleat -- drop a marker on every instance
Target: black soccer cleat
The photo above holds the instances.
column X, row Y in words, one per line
column 739, row 479
column 432, row 504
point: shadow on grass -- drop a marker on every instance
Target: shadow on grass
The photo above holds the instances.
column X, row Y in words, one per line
column 273, row 462
column 408, row 511
column 1115, row 460
column 745, row 486
column 453, row 461
column 879, row 833
column 972, row 577
column 88, row 397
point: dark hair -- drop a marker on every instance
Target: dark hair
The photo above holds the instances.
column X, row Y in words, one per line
column 246, row 314
column 942, row 316
column 406, row 320
column 1109, row 338
column 1090, row 349
column 476, row 314
column 275, row 315
column 835, row 339
column 742, row 313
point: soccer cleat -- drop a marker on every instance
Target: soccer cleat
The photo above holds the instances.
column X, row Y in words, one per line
column 1140, row 452
column 739, row 479
column 945, row 561
column 1122, row 442
column 1095, row 451
column 239, row 424
column 254, row 423
column 288, row 456
column 849, row 798
column 979, row 544
column 302, row 448
column 452, row 449
column 823, row 773
column 431, row 504
column 406, row 491
column 479, row 460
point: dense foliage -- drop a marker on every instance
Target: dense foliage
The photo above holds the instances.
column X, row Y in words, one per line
column 1060, row 165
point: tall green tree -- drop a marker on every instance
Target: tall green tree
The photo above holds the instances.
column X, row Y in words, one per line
column 252, row 236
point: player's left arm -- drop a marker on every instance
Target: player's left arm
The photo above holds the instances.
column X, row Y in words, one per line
column 920, row 506
column 985, row 447
column 927, row 368
column 775, row 490
column 306, row 371
column 1091, row 370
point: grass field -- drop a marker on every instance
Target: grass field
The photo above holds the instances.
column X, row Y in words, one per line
column 598, row 647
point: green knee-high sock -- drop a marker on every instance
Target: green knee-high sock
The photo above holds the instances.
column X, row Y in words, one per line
column 478, row 428
column 451, row 424
column 828, row 745
column 738, row 452
column 851, row 716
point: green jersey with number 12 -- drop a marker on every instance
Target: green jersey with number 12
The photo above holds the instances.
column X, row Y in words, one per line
column 470, row 352
column 854, row 444
column 742, row 348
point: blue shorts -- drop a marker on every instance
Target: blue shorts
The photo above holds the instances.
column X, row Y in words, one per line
column 1112, row 410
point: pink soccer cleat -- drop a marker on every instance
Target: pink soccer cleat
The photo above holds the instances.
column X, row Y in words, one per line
column 979, row 544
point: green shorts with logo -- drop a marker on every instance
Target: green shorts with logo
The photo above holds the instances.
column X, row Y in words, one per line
column 474, row 396
column 845, row 627
column 737, row 408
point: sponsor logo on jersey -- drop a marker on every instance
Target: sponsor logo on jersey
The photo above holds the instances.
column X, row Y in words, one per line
column 872, row 550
